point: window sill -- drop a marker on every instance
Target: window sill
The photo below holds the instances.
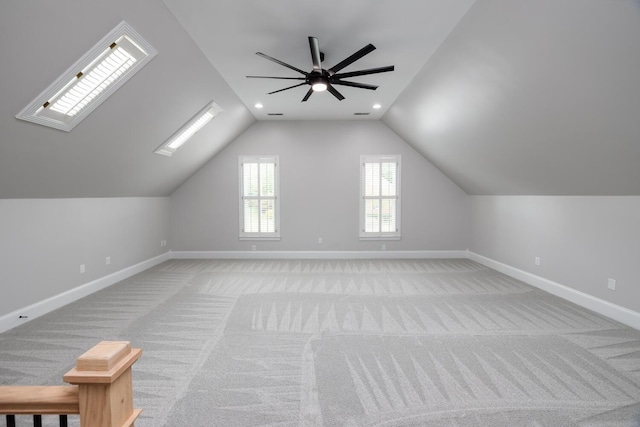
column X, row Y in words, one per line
column 380, row 237
column 259, row 238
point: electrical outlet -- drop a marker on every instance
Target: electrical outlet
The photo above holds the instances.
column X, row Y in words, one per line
column 612, row 284
column 81, row 268
column 320, row 240
column 163, row 243
column 383, row 247
column 108, row 260
column 253, row 247
column 537, row 260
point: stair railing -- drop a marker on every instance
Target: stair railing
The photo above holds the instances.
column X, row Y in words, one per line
column 101, row 392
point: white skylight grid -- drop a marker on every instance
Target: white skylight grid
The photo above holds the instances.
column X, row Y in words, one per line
column 91, row 80
column 188, row 132
column 183, row 134
column 82, row 90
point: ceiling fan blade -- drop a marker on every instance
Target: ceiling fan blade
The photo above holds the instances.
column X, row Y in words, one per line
column 272, row 77
column 354, row 84
column 364, row 72
column 277, row 61
column 307, row 95
column 286, row 88
column 335, row 93
column 315, row 54
column 353, row 58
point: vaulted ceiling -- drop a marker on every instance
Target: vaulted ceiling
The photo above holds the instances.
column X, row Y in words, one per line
column 503, row 96
column 405, row 34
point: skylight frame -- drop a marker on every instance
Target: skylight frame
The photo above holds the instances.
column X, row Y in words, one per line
column 33, row 111
column 170, row 146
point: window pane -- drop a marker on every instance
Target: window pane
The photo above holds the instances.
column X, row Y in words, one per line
column 372, row 216
column 267, row 179
column 258, row 202
column 250, row 179
column 372, row 179
column 267, row 216
column 251, row 216
column 388, row 216
column 388, row 183
column 380, row 197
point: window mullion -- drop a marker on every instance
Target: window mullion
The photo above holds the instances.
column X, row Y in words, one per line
column 259, row 199
column 380, row 198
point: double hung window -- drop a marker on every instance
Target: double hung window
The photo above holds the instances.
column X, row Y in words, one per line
column 259, row 203
column 380, row 197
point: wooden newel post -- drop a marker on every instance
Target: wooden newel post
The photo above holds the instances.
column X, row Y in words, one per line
column 103, row 376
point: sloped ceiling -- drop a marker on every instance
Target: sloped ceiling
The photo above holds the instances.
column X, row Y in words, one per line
column 110, row 153
column 510, row 97
column 532, row 97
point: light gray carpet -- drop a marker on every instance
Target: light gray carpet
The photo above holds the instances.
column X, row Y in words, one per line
column 344, row 343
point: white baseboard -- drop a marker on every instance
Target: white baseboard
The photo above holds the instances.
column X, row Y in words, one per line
column 33, row 311
column 606, row 308
column 317, row 254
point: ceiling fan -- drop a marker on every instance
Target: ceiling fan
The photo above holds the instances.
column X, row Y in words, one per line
column 321, row 79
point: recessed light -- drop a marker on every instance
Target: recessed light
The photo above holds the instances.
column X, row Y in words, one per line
column 377, row 106
column 258, row 105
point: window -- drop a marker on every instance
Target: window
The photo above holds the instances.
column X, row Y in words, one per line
column 259, row 203
column 189, row 129
column 380, row 197
column 91, row 80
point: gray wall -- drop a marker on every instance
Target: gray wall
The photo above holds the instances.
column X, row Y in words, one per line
column 44, row 241
column 319, row 175
column 582, row 241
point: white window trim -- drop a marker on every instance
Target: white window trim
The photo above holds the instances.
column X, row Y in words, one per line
column 259, row 236
column 397, row 235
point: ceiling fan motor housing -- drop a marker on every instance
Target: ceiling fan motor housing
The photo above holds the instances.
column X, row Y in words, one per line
column 316, row 79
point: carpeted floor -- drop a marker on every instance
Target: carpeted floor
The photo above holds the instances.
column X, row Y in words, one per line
column 344, row 343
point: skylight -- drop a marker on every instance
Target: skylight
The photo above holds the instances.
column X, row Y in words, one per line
column 91, row 80
column 183, row 134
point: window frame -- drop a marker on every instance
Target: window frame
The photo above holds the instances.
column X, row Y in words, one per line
column 275, row 235
column 38, row 111
column 380, row 235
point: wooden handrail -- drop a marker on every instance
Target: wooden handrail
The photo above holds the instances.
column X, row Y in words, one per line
column 61, row 399
column 102, row 390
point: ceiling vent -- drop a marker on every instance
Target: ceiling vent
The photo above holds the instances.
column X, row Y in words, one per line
column 91, row 80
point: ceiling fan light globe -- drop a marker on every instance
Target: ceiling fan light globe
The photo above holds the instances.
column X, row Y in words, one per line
column 319, row 87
